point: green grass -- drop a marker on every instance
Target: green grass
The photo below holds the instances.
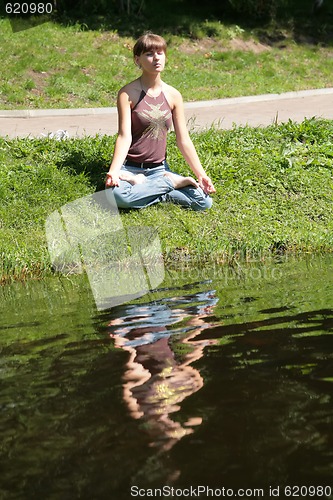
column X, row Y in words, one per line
column 274, row 185
column 59, row 66
column 274, row 195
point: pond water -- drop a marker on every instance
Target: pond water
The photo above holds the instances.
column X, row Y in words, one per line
column 221, row 378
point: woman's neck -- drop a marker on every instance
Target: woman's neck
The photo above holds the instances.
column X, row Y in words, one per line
column 151, row 83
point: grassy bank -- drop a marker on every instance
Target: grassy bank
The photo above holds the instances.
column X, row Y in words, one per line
column 59, row 66
column 274, row 195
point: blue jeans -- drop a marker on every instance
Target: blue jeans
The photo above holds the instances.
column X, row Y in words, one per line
column 157, row 188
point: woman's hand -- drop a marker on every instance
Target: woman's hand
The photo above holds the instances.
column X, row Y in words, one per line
column 206, row 184
column 112, row 180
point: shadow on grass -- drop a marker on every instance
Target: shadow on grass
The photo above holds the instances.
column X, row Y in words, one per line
column 94, row 169
column 88, row 156
column 195, row 19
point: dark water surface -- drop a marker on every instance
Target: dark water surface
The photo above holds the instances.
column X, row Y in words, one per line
column 221, row 378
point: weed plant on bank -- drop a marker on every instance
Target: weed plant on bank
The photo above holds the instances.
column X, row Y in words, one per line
column 274, row 195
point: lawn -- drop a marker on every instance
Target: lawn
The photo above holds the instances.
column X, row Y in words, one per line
column 67, row 66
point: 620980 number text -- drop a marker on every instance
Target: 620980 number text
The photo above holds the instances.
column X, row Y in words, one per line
column 17, row 9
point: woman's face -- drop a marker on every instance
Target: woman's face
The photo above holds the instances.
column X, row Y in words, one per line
column 152, row 61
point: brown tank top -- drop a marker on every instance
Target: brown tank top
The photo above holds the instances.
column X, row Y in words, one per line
column 151, row 120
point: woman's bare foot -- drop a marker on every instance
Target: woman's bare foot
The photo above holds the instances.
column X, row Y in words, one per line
column 132, row 178
column 179, row 181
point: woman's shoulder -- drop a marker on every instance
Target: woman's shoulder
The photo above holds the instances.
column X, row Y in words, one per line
column 172, row 90
column 131, row 91
column 173, row 95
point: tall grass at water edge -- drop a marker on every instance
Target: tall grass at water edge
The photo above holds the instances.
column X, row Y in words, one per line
column 274, row 195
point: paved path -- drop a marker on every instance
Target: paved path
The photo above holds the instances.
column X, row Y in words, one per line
column 253, row 110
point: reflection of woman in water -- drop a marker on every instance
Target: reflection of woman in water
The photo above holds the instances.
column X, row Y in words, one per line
column 157, row 379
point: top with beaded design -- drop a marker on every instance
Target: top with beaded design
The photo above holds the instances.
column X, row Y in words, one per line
column 151, row 120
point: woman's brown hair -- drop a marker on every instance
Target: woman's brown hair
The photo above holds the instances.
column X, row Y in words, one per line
column 149, row 42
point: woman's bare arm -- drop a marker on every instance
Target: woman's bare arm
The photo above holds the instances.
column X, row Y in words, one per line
column 123, row 140
column 186, row 145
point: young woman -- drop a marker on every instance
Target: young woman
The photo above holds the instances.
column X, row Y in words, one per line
column 147, row 107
